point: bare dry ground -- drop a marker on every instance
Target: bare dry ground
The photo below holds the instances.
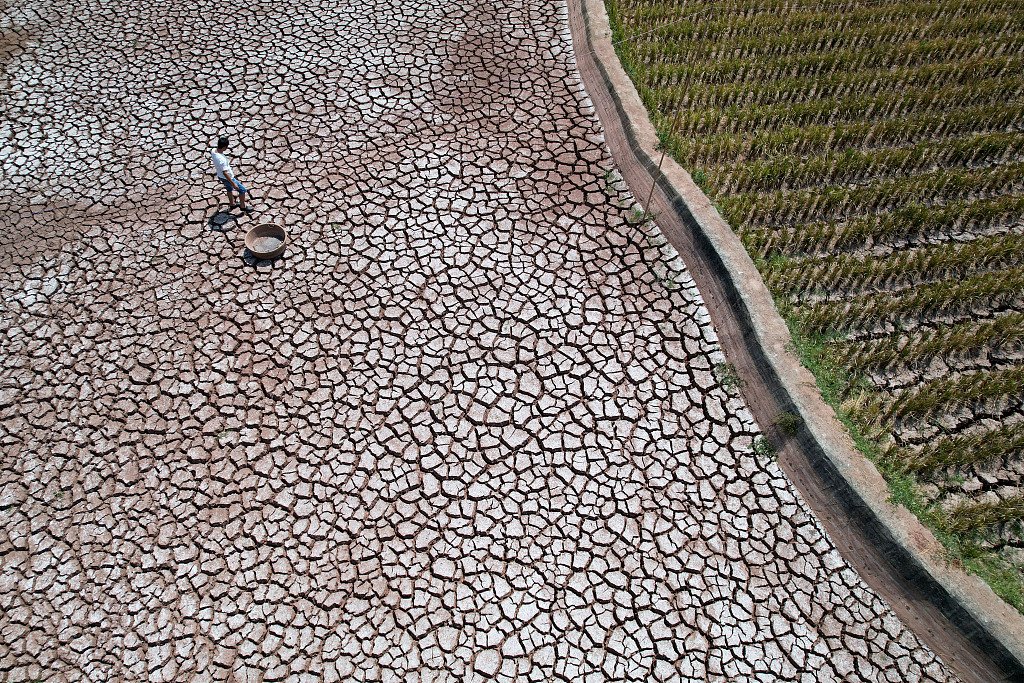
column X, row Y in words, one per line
column 468, row 427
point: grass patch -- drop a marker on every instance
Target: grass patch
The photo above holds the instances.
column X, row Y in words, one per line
column 788, row 424
column 1005, row 579
column 763, row 447
column 726, row 375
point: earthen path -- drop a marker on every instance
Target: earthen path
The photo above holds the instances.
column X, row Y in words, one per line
column 469, row 427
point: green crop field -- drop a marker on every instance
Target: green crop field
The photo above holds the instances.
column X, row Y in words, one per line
column 871, row 157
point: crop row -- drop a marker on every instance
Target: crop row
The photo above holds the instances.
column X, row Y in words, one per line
column 855, row 166
column 978, row 516
column 854, row 273
column 702, row 117
column 885, row 49
column 846, row 94
column 779, row 85
column 767, row 9
column 648, row 49
column 989, row 291
column 958, row 451
column 945, row 393
column 968, row 337
column 871, row 64
column 703, row 31
column 936, row 128
column 714, row 24
column 753, row 120
column 731, row 20
column 906, row 222
column 688, row 66
column 835, row 202
column 784, row 90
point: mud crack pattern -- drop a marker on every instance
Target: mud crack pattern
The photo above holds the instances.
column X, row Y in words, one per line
column 468, row 427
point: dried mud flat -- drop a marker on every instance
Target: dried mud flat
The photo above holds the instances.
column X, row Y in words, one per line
column 468, row 427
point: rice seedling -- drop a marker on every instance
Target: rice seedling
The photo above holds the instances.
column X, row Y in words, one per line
column 980, row 516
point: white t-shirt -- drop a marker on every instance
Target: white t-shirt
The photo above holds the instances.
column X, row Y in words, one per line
column 221, row 164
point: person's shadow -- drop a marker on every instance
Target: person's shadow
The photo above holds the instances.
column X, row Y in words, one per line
column 222, row 221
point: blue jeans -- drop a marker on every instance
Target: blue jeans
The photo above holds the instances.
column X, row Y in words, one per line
column 231, row 188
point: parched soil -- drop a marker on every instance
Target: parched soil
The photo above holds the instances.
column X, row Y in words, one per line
column 467, row 427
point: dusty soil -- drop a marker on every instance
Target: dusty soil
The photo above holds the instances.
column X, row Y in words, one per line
column 467, row 427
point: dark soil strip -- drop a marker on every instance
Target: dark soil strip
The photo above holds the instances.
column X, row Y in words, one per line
column 923, row 605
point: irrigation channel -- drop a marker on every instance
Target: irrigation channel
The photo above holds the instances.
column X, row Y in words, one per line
column 938, row 618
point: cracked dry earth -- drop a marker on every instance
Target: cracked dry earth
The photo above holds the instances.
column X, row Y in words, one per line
column 468, row 427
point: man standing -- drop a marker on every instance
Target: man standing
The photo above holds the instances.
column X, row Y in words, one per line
column 227, row 176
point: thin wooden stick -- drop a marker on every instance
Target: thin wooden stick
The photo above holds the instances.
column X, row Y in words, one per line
column 657, row 176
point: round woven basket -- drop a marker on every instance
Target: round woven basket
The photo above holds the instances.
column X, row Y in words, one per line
column 266, row 240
